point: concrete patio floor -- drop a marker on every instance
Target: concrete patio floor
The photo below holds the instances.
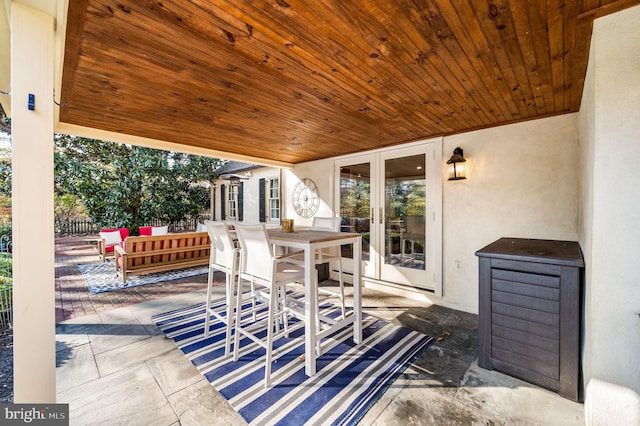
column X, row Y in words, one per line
column 115, row 367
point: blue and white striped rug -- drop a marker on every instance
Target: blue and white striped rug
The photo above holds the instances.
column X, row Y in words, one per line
column 350, row 378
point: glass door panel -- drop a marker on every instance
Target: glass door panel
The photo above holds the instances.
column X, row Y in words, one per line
column 404, row 232
column 356, row 207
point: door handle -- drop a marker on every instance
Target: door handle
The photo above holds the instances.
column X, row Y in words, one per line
column 381, row 221
column 371, row 214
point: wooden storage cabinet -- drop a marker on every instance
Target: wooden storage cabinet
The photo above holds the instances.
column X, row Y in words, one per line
column 530, row 310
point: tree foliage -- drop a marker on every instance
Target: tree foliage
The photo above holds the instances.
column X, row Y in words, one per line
column 354, row 197
column 5, row 184
column 405, row 197
column 128, row 186
column 5, row 172
column 68, row 207
column 5, row 122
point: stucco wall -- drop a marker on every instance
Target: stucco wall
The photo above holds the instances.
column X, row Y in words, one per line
column 610, row 219
column 321, row 173
column 522, row 182
column 586, row 128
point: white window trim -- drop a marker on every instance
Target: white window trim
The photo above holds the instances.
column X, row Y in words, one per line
column 268, row 198
column 232, row 191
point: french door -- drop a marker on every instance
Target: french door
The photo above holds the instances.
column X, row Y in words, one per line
column 393, row 198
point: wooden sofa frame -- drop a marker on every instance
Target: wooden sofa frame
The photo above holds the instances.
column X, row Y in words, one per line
column 144, row 255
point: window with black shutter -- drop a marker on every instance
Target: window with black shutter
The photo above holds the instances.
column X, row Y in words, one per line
column 262, row 201
column 223, row 203
column 240, row 201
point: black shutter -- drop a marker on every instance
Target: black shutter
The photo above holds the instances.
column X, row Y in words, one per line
column 213, row 203
column 241, row 201
column 223, row 203
column 262, row 202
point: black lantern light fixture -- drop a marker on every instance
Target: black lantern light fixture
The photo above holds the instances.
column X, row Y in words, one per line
column 456, row 165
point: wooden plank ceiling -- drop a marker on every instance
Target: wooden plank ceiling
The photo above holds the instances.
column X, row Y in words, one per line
column 299, row 80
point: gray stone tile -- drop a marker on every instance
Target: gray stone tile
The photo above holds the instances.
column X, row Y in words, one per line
column 418, row 319
column 134, row 353
column 492, row 393
column 159, row 306
column 75, row 366
column 118, row 316
column 153, row 330
column 128, row 397
column 461, row 321
column 490, row 401
column 173, row 371
column 430, row 406
column 443, row 367
column 477, row 376
column 532, row 405
column 455, row 332
column 381, row 405
column 143, row 316
column 85, row 320
column 114, row 336
column 67, row 341
column 201, row 404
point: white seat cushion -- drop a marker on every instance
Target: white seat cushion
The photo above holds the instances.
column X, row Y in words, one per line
column 111, row 238
column 159, row 230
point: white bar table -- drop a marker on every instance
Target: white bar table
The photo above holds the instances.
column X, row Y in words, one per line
column 310, row 241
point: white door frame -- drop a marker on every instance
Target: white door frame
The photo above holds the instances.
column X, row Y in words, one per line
column 433, row 244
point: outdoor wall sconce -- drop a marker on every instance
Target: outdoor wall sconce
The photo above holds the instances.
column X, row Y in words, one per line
column 456, row 169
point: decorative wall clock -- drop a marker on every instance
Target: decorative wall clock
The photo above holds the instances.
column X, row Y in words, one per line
column 305, row 198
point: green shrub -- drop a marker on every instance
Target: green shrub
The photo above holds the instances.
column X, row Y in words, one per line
column 6, row 281
column 5, row 231
column 6, row 265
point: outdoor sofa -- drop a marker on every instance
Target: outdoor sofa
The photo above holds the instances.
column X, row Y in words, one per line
column 147, row 254
column 109, row 238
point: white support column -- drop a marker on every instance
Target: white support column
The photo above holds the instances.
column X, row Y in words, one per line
column 32, row 56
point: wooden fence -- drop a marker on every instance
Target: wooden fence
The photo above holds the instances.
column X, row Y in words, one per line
column 84, row 227
column 75, row 227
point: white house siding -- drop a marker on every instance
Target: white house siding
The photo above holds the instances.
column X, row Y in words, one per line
column 251, row 212
column 610, row 220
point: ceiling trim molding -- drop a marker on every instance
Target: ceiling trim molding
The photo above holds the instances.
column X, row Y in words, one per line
column 86, row 132
column 607, row 9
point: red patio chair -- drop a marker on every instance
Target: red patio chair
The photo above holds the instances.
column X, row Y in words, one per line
column 110, row 238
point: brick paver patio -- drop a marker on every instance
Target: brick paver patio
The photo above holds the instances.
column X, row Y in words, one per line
column 72, row 298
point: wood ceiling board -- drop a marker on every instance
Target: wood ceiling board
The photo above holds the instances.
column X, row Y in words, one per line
column 294, row 81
